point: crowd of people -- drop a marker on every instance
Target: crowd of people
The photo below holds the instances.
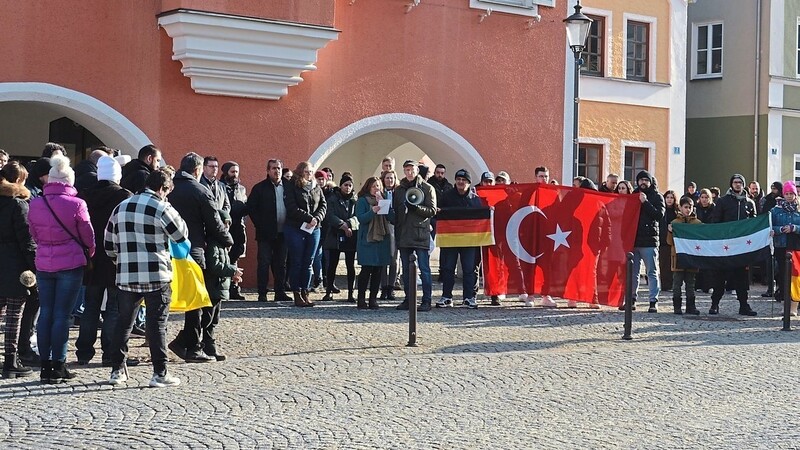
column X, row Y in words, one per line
column 98, row 239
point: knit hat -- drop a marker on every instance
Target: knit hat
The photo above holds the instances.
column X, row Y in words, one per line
column 464, row 173
column 345, row 179
column 60, row 171
column 321, row 174
column 777, row 185
column 735, row 176
column 40, row 167
column 109, row 169
column 789, row 187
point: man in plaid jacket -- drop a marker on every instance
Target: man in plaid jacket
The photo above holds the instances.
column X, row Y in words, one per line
column 137, row 238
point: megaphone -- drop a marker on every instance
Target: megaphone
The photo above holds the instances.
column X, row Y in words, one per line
column 415, row 196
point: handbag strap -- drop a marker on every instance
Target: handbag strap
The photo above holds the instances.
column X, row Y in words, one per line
column 78, row 241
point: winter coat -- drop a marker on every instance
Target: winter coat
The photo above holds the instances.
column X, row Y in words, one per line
column 237, row 197
column 731, row 207
column 412, row 224
column 453, row 199
column 650, row 215
column 219, row 271
column 100, row 202
column 303, row 205
column 705, row 213
column 780, row 218
column 56, row 250
column 85, row 176
column 440, row 187
column 340, row 210
column 261, row 207
column 669, row 215
column 134, row 176
column 693, row 220
column 218, row 192
column 370, row 253
column 768, row 202
column 197, row 208
column 17, row 247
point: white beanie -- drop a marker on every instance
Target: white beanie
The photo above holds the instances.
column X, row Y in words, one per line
column 60, row 171
column 109, row 169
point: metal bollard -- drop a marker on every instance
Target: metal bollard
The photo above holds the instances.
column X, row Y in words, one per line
column 787, row 291
column 412, row 300
column 629, row 286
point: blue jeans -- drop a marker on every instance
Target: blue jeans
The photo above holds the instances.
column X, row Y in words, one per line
column 58, row 292
column 650, row 257
column 424, row 264
column 91, row 316
column 303, row 247
column 448, row 257
column 77, row 311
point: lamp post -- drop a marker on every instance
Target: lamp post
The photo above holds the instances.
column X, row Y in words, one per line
column 577, row 31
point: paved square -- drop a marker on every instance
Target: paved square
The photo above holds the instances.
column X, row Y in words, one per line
column 496, row 377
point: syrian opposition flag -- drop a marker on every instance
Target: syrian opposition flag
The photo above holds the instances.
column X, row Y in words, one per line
column 723, row 246
column 464, row 227
column 560, row 241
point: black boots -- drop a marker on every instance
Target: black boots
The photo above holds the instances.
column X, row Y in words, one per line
column 210, row 349
column 373, row 300
column 745, row 310
column 676, row 305
column 235, row 293
column 13, row 368
column 691, row 308
column 362, row 302
column 58, row 373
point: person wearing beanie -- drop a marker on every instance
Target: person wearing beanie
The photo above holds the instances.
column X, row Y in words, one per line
column 38, row 171
column 691, row 191
column 60, row 225
column 461, row 196
column 339, row 233
column 786, row 235
column 735, row 205
column 764, row 207
column 645, row 247
column 101, row 200
column 86, row 170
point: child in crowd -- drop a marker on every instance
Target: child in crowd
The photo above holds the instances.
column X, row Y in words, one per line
column 683, row 275
column 219, row 274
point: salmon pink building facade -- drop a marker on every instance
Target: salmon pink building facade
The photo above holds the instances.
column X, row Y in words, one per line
column 342, row 83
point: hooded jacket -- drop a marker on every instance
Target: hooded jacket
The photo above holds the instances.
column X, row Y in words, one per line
column 732, row 206
column 650, row 215
column 16, row 244
column 56, row 250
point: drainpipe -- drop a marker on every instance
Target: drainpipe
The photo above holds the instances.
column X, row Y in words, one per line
column 757, row 96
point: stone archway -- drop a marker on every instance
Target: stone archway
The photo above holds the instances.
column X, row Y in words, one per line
column 110, row 126
column 366, row 142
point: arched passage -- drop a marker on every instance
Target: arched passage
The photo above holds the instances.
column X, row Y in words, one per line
column 361, row 146
column 111, row 127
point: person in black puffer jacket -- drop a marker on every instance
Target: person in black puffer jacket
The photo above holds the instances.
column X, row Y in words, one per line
column 734, row 205
column 645, row 247
column 18, row 250
column 341, row 226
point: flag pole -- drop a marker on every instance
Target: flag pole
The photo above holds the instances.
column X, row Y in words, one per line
column 412, row 300
column 629, row 298
column 787, row 291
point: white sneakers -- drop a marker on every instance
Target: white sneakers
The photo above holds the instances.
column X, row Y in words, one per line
column 471, row 303
column 548, row 302
column 166, row 380
column 444, row 302
column 118, row 376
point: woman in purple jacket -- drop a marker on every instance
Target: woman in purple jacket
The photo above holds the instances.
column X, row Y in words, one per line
column 61, row 228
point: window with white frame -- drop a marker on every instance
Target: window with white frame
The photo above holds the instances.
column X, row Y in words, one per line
column 707, row 50
column 797, row 169
column 797, row 60
column 638, row 51
column 521, row 7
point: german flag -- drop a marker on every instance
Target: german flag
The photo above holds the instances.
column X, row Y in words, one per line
column 464, row 227
column 795, row 275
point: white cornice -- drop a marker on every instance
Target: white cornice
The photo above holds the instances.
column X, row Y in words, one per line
column 242, row 56
column 626, row 92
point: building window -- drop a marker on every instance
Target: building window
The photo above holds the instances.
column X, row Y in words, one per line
column 521, row 7
column 517, row 3
column 635, row 162
column 595, row 43
column 637, row 60
column 590, row 161
column 797, row 169
column 797, row 62
column 708, row 50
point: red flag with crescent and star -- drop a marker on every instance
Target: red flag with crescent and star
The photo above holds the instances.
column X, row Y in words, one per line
column 560, row 241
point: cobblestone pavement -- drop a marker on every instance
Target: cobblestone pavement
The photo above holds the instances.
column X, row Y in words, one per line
column 496, row 377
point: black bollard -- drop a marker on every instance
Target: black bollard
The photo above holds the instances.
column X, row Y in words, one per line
column 629, row 286
column 787, row 291
column 412, row 300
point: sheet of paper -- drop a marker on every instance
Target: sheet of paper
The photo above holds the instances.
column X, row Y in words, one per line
column 384, row 206
column 307, row 227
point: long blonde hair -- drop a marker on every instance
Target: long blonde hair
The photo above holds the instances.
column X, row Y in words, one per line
column 298, row 176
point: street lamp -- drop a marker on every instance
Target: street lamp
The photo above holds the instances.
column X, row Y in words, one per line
column 577, row 31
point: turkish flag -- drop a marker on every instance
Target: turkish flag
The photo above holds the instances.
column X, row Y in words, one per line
column 560, row 241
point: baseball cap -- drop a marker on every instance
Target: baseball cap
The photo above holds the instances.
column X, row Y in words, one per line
column 487, row 176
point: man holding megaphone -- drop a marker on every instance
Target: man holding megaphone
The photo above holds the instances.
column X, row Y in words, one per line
column 413, row 206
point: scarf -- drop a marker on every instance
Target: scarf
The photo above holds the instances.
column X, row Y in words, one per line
column 789, row 207
column 378, row 226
